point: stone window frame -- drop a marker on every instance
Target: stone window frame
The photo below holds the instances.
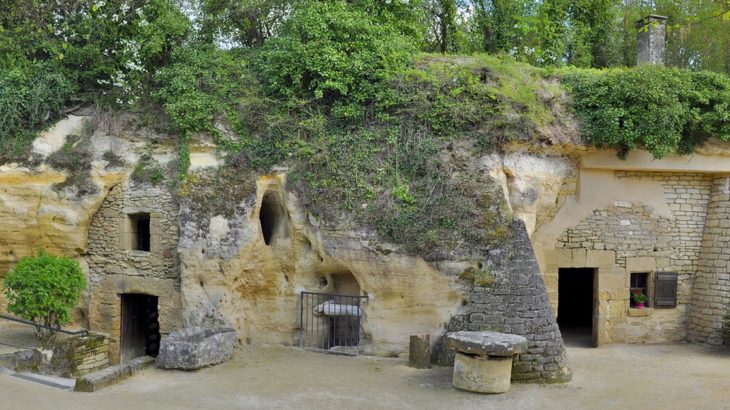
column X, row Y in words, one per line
column 649, row 287
column 642, row 264
column 127, row 232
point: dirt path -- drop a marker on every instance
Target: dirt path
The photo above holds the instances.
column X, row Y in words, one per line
column 611, row 377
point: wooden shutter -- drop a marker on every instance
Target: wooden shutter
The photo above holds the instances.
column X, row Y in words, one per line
column 665, row 289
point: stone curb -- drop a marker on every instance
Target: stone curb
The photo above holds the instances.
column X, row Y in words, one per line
column 111, row 375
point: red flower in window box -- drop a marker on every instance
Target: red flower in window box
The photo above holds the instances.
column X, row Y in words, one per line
column 639, row 299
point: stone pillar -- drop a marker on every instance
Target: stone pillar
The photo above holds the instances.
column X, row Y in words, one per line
column 650, row 40
column 711, row 290
column 419, row 355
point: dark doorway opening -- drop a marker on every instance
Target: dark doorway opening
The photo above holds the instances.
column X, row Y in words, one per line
column 140, row 231
column 140, row 326
column 270, row 216
column 576, row 305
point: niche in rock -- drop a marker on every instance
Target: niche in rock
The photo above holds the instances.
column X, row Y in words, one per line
column 272, row 217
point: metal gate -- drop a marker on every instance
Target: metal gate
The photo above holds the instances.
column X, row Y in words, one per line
column 331, row 323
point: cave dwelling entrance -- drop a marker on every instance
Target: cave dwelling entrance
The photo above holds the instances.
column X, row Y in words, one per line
column 331, row 319
column 578, row 305
column 140, row 333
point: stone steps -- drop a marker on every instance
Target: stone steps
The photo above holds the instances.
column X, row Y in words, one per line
column 112, row 375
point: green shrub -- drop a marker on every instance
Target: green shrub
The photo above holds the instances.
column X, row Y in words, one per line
column 75, row 158
column 43, row 289
column 334, row 52
column 147, row 171
column 30, row 99
column 201, row 85
column 663, row 110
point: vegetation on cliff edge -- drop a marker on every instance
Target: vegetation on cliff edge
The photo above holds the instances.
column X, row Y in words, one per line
column 376, row 133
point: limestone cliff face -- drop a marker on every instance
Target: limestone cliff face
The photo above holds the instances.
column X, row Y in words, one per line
column 40, row 210
column 248, row 270
column 34, row 214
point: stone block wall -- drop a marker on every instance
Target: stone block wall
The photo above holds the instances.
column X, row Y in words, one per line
column 115, row 269
column 641, row 240
column 711, row 296
column 71, row 357
column 84, row 355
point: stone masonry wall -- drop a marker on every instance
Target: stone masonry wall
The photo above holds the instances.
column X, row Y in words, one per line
column 81, row 355
column 71, row 357
column 636, row 232
column 711, row 296
column 516, row 303
column 687, row 196
column 115, row 269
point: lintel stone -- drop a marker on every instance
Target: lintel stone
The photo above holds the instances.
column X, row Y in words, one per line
column 641, row 264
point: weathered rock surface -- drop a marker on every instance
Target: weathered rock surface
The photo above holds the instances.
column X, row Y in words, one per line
column 487, row 343
column 196, row 347
column 419, row 354
column 231, row 276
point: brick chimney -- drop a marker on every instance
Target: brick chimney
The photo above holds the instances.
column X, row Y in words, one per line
column 650, row 39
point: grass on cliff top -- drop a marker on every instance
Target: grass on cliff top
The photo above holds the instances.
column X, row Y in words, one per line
column 403, row 162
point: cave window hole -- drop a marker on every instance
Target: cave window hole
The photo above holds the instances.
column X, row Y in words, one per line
column 270, row 217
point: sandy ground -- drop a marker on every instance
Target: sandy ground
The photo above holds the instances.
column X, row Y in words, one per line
column 610, row 377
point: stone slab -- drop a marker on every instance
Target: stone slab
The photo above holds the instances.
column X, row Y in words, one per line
column 52, row 381
column 196, row 347
column 111, row 375
column 487, row 343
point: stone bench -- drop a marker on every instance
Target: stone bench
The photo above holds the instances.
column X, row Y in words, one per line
column 483, row 361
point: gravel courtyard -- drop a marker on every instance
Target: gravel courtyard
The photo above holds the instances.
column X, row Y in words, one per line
column 610, row 377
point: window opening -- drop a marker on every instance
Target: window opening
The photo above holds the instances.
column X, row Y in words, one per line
column 140, row 232
column 639, row 285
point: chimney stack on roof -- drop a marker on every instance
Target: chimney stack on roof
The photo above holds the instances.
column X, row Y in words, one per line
column 650, row 39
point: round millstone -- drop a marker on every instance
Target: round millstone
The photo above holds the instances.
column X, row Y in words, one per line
column 487, row 343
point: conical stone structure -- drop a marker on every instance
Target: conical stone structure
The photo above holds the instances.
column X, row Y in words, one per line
column 517, row 303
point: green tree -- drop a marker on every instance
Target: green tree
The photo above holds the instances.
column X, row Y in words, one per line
column 443, row 26
column 246, row 23
column 43, row 289
column 333, row 53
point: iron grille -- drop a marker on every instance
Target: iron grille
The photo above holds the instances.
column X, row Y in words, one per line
column 331, row 323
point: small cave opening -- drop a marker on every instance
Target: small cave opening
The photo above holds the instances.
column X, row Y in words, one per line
column 332, row 317
column 271, row 216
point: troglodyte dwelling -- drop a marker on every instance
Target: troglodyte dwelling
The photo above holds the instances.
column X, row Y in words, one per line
column 589, row 229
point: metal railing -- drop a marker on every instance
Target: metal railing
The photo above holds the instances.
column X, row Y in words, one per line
column 82, row 332
column 331, row 323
